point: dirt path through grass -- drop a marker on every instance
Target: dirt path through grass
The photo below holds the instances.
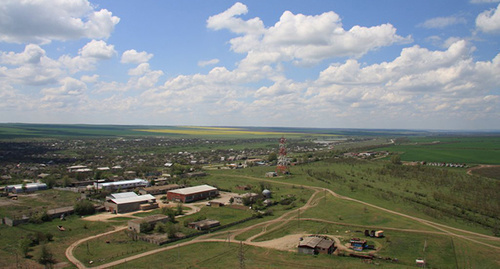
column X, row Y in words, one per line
column 282, row 220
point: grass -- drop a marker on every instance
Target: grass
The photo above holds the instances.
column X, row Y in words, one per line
column 222, row 255
column 491, row 172
column 404, row 191
column 469, row 150
column 110, row 247
column 36, row 202
column 76, row 229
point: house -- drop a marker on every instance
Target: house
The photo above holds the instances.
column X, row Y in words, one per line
column 76, row 167
column 129, row 202
column 124, row 184
column 135, row 224
column 316, row 244
column 192, row 194
column 203, row 224
column 29, row 187
column 155, row 190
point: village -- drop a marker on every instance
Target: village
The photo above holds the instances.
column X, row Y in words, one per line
column 194, row 196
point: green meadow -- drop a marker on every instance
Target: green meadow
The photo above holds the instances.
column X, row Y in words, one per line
column 469, row 150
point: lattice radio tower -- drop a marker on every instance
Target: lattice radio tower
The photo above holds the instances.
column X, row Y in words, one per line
column 282, row 166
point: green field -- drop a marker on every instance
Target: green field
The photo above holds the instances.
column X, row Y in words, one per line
column 36, row 202
column 469, row 150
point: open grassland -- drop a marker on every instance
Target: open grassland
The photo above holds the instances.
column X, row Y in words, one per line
column 222, row 255
column 491, row 172
column 441, row 195
column 76, row 229
column 334, row 209
column 110, row 247
column 36, row 202
column 469, row 150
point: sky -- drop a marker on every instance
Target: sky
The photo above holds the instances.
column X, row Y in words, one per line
column 387, row 64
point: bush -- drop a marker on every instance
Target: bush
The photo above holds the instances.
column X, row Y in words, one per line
column 84, row 207
column 46, row 256
column 39, row 217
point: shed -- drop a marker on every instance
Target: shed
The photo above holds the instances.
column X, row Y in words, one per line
column 316, row 244
column 204, row 224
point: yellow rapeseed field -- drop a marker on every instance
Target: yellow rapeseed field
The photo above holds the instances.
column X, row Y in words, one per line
column 219, row 131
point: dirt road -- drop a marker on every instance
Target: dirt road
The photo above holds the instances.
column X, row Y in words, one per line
column 285, row 218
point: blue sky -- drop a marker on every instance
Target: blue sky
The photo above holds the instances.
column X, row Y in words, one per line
column 339, row 64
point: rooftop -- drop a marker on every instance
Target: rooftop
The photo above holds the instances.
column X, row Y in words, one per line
column 196, row 189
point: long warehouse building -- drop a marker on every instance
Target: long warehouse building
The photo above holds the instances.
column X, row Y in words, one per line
column 192, row 194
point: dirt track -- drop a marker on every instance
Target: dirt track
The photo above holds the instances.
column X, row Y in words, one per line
column 287, row 241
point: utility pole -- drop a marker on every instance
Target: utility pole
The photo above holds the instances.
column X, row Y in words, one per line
column 241, row 256
column 298, row 218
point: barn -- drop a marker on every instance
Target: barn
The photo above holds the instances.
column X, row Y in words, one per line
column 192, row 194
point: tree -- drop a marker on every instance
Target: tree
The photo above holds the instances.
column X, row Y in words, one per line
column 172, row 230
column 84, row 207
column 46, row 256
column 396, row 159
column 272, row 157
column 179, row 209
column 170, row 212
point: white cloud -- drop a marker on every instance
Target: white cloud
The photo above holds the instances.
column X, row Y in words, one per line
column 208, row 62
column 443, row 22
column 41, row 21
column 484, row 1
column 134, row 57
column 88, row 56
column 98, row 49
column 228, row 20
column 489, row 21
column 71, row 93
column 90, row 79
column 300, row 38
column 32, row 54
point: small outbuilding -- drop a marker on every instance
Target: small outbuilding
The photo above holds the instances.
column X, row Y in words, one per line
column 316, row 244
column 204, row 224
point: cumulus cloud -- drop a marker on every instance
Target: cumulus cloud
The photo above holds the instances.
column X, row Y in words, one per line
column 29, row 67
column 88, row 56
column 208, row 62
column 32, row 54
column 98, row 49
column 300, row 38
column 442, row 22
column 489, row 21
column 41, row 21
column 70, row 92
column 134, row 57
